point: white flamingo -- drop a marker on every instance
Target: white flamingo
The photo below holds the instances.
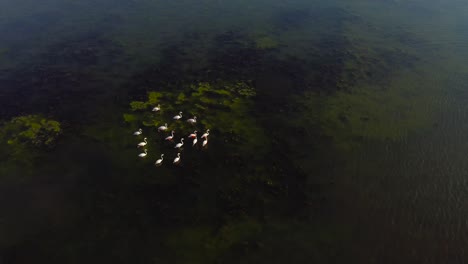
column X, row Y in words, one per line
column 171, row 136
column 163, row 128
column 207, row 133
column 159, row 161
column 142, row 155
column 177, row 159
column 142, row 144
column 205, row 142
column 157, row 108
column 179, row 116
column 194, row 141
column 139, row 132
column 192, row 120
column 179, row 145
column 193, row 135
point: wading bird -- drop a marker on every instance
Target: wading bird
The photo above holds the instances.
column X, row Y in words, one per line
column 179, row 145
column 157, row 108
column 142, row 144
column 139, row 132
column 142, row 155
column 171, row 136
column 205, row 142
column 159, row 161
column 194, row 141
column 207, row 133
column 177, row 159
column 163, row 128
column 179, row 116
column 192, row 120
column 193, row 135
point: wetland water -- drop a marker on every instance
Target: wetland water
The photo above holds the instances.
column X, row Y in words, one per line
column 338, row 131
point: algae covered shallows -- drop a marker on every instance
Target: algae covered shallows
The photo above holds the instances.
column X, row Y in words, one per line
column 224, row 106
column 23, row 139
column 32, row 130
column 368, row 112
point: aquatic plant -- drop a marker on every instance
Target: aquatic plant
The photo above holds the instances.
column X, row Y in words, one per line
column 129, row 118
column 222, row 105
column 205, row 245
column 265, row 42
column 242, row 88
column 33, row 130
column 138, row 105
column 367, row 112
column 22, row 141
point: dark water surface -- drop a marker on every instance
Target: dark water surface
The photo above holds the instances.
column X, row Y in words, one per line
column 338, row 131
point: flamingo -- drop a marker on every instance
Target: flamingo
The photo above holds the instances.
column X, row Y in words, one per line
column 177, row 159
column 142, row 144
column 163, row 128
column 179, row 145
column 139, row 132
column 205, row 142
column 171, row 136
column 192, row 120
column 193, row 135
column 142, row 155
column 159, row 161
column 207, row 133
column 179, row 116
column 194, row 141
column 157, row 108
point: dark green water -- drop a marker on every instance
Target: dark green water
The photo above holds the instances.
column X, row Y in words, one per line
column 338, row 131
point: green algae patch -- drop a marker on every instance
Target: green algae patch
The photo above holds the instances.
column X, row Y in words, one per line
column 181, row 98
column 265, row 42
column 206, row 245
column 129, row 118
column 23, row 141
column 138, row 105
column 32, row 130
column 223, row 106
column 242, row 88
column 251, row 241
column 154, row 97
column 375, row 113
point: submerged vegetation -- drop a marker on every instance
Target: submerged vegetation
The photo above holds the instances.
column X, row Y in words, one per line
column 266, row 112
column 368, row 112
column 272, row 101
column 265, row 42
column 31, row 130
column 236, row 181
column 202, row 245
column 22, row 140
column 223, row 107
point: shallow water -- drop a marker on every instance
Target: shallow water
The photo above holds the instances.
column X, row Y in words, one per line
column 337, row 131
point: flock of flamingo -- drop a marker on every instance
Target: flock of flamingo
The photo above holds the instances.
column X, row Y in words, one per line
column 170, row 138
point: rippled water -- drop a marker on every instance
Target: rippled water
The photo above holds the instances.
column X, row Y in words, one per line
column 352, row 149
